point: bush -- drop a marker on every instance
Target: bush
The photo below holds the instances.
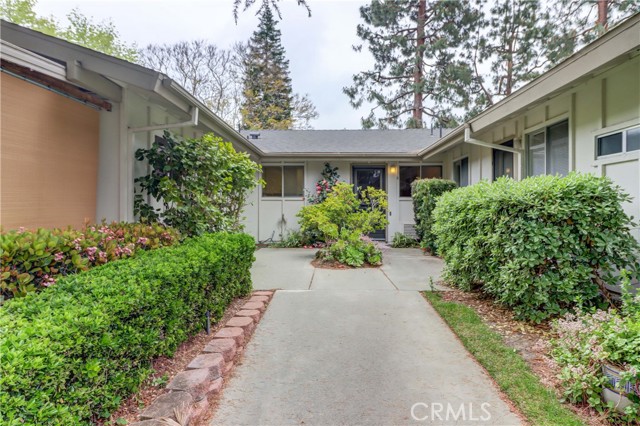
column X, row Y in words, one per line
column 424, row 194
column 586, row 342
column 202, row 184
column 540, row 246
column 32, row 261
column 69, row 355
column 342, row 219
column 404, row 241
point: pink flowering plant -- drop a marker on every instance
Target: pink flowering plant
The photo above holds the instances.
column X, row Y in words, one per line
column 324, row 186
column 33, row 260
column 587, row 341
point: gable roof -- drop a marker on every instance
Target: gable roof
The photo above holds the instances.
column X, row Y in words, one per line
column 389, row 143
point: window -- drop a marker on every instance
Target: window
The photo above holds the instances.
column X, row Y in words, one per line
column 283, row 180
column 503, row 162
column 461, row 172
column 548, row 150
column 410, row 173
column 619, row 142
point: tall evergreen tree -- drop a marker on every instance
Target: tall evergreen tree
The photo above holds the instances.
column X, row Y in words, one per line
column 416, row 72
column 267, row 86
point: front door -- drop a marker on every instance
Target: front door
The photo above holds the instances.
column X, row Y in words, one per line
column 371, row 176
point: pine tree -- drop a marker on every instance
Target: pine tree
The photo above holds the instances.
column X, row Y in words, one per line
column 267, row 86
column 416, row 71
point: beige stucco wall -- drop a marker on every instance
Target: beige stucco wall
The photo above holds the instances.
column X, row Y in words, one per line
column 49, row 158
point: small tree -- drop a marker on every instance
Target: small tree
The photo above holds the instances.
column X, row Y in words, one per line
column 342, row 220
column 201, row 183
column 324, row 186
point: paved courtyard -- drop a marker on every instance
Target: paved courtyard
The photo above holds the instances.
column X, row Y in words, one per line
column 351, row 347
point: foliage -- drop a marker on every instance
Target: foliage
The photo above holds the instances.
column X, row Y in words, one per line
column 540, row 246
column 246, row 4
column 416, row 70
column 293, row 239
column 102, row 36
column 324, row 186
column 401, row 240
column 587, row 341
column 269, row 102
column 71, row 354
column 341, row 220
column 207, row 71
column 202, row 184
column 509, row 370
column 35, row 260
column 425, row 194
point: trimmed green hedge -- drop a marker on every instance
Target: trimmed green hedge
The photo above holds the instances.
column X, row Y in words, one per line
column 541, row 245
column 70, row 354
column 425, row 193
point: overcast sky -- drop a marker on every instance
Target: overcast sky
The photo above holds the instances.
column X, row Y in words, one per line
column 318, row 48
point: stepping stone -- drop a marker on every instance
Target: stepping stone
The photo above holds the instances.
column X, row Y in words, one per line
column 254, row 305
column 264, row 299
column 235, row 333
column 164, row 406
column 214, row 362
column 228, row 367
column 225, row 347
column 245, row 323
column 253, row 313
column 196, row 382
column 263, row 293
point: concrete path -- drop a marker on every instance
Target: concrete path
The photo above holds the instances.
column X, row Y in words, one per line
column 350, row 347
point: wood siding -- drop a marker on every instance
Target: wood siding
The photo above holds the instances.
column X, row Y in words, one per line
column 48, row 158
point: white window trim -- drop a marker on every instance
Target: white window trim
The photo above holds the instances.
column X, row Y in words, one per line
column 453, row 165
column 283, row 197
column 543, row 127
column 624, row 151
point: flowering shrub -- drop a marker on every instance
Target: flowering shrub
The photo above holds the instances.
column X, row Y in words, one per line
column 342, row 219
column 324, row 186
column 586, row 342
column 32, row 261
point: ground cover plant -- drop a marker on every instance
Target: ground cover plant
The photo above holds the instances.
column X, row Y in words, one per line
column 69, row 355
column 33, row 260
column 401, row 240
column 201, row 183
column 342, row 221
column 541, row 246
column 424, row 195
column 588, row 341
column 510, row 371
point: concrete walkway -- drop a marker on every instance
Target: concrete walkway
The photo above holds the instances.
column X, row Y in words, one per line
column 355, row 347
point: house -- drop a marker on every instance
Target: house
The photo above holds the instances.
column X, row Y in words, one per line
column 72, row 119
column 582, row 115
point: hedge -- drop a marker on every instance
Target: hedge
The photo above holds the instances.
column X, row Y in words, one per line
column 540, row 246
column 70, row 354
column 425, row 193
column 33, row 260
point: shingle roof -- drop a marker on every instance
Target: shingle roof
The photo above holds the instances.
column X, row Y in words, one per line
column 406, row 141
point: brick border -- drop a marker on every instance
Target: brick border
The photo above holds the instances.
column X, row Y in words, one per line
column 190, row 390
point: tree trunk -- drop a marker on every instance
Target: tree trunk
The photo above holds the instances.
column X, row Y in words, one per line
column 603, row 19
column 418, row 72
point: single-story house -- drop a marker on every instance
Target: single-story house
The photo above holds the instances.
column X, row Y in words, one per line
column 72, row 119
column 582, row 115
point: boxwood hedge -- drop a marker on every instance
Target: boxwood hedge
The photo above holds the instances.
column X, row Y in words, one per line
column 540, row 246
column 71, row 353
column 424, row 194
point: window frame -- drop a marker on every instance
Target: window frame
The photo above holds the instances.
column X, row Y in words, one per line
column 510, row 143
column 623, row 131
column 420, row 165
column 282, row 196
column 544, row 129
column 459, row 160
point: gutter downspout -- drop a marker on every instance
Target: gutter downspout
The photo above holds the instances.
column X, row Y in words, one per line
column 193, row 121
column 468, row 139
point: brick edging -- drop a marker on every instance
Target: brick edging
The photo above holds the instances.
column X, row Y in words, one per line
column 202, row 379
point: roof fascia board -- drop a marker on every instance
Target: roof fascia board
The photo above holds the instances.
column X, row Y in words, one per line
column 97, row 83
column 20, row 56
column 587, row 61
column 356, row 156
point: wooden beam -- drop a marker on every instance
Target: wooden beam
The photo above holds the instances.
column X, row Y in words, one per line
column 56, row 85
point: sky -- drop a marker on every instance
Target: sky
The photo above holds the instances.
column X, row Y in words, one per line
column 319, row 48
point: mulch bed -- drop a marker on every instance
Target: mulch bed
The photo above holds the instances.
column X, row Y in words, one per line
column 531, row 341
column 334, row 264
column 164, row 369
